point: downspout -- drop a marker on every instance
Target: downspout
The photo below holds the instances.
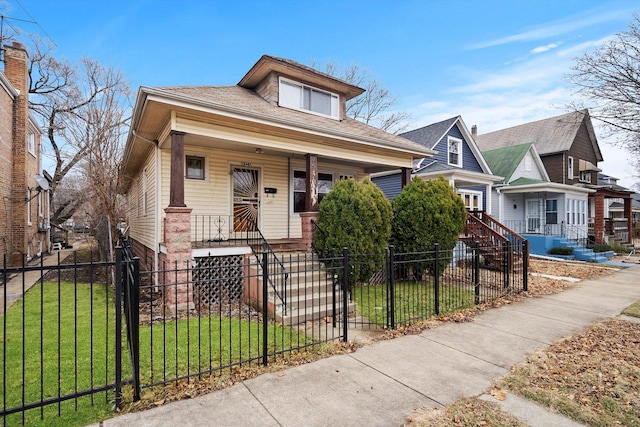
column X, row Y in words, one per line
column 288, row 197
column 156, row 223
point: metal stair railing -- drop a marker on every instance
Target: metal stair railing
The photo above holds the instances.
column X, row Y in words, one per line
column 259, row 246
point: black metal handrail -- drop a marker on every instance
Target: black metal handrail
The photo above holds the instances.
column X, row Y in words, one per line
column 272, row 260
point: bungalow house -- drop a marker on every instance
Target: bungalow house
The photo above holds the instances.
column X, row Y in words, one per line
column 569, row 150
column 210, row 170
column 24, row 217
column 457, row 158
column 527, row 202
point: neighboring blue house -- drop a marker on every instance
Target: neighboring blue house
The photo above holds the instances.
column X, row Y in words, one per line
column 457, row 158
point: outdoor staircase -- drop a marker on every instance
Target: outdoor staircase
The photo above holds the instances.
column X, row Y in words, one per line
column 499, row 246
column 581, row 252
column 311, row 292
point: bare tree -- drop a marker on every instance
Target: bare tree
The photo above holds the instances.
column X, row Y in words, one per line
column 72, row 101
column 607, row 81
column 375, row 105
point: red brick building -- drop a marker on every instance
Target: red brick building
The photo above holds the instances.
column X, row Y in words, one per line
column 23, row 204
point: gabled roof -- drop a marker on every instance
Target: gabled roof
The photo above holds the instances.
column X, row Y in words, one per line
column 504, row 161
column 430, row 135
column 551, row 135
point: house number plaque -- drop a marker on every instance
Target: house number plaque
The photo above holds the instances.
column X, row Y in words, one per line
column 246, row 164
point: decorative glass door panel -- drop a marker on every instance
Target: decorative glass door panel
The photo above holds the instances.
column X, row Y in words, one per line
column 246, row 199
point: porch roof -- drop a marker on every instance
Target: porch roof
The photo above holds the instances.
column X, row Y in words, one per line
column 528, row 185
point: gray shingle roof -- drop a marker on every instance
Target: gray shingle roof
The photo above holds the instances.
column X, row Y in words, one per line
column 430, row 135
column 551, row 135
column 247, row 102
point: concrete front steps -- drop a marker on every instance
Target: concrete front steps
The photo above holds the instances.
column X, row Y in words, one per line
column 310, row 292
column 582, row 253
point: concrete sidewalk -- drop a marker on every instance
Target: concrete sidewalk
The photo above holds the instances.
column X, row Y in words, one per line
column 380, row 384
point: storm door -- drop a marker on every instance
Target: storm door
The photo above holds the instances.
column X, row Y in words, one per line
column 246, row 199
column 533, row 216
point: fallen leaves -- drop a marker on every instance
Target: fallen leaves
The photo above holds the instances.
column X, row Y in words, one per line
column 593, row 377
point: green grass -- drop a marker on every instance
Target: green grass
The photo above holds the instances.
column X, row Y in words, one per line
column 632, row 310
column 48, row 346
column 412, row 301
column 49, row 349
column 207, row 343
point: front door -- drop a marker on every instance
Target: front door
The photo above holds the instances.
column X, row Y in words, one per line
column 533, row 216
column 246, row 199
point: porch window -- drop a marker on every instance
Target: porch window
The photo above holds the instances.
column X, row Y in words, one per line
column 302, row 97
column 552, row 211
column 325, row 184
column 195, row 167
column 472, row 200
column 455, row 151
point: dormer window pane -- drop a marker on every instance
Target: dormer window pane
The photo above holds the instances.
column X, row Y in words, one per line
column 290, row 95
column 301, row 97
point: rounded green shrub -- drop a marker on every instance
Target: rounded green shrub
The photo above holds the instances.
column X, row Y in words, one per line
column 426, row 213
column 356, row 216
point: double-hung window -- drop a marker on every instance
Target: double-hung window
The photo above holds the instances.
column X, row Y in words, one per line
column 302, row 97
column 552, row 211
column 454, row 151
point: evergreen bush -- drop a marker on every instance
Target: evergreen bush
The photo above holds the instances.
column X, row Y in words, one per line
column 356, row 216
column 426, row 213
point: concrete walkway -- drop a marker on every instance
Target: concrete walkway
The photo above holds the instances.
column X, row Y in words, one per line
column 380, row 384
column 21, row 283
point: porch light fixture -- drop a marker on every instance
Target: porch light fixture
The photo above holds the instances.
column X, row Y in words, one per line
column 259, row 150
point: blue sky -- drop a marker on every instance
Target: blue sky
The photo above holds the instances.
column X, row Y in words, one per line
column 497, row 63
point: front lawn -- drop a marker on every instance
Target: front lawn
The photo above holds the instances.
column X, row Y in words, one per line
column 68, row 344
column 413, row 301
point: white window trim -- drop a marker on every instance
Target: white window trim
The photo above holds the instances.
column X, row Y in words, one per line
column 570, row 174
column 31, row 143
column 458, row 141
column 587, row 176
column 335, row 99
column 472, row 193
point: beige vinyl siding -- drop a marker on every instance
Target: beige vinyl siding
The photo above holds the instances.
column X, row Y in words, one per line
column 141, row 218
column 212, row 196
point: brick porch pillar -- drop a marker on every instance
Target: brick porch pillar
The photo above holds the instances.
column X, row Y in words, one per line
column 628, row 214
column 177, row 239
column 308, row 236
column 598, row 220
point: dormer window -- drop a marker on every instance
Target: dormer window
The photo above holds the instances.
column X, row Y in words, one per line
column 302, row 97
column 455, row 151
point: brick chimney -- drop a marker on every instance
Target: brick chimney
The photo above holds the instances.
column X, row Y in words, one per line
column 16, row 69
column 474, row 131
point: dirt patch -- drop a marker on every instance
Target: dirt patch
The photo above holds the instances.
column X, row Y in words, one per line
column 469, row 411
column 570, row 269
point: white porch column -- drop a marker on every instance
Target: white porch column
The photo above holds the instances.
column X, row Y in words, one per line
column 487, row 208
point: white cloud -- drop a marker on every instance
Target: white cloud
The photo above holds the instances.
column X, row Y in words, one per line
column 541, row 49
column 557, row 28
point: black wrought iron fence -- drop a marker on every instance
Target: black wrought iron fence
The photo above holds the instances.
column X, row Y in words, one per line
column 67, row 347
